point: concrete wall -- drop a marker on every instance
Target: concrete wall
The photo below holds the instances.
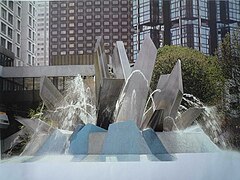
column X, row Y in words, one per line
column 38, row 71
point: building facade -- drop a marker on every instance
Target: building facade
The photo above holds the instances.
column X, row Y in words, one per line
column 147, row 19
column 10, row 33
column 225, row 19
column 28, row 33
column 198, row 24
column 18, row 30
column 42, row 33
column 74, row 26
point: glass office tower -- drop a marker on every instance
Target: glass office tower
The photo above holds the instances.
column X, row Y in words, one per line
column 147, row 19
column 198, row 24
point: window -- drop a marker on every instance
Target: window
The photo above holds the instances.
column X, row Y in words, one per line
column 88, row 24
column 33, row 48
column 71, row 24
column 89, row 37
column 32, row 60
column 88, row 17
column 19, row 11
column 54, row 32
column 89, row 30
column 63, row 39
column 63, row 32
column 124, row 22
column 124, row 2
column 89, row 44
column 97, row 23
column 97, row 30
column 115, row 30
column 30, row 21
column 71, row 45
column 80, row 52
column 18, row 52
column 115, row 16
column 71, row 52
column 33, row 36
column 29, row 46
column 63, row 5
column 80, row 17
column 29, row 59
column 106, row 37
column 71, row 38
column 55, row 12
column 97, row 16
column 124, row 9
column 4, row 13
column 88, row 3
column 89, row 10
column 71, row 11
column 71, row 17
column 18, row 38
column 3, row 28
column 80, row 10
column 115, row 37
column 18, row 25
column 63, row 53
column 63, row 11
column 54, row 5
column 30, row 8
column 97, row 2
column 105, row 9
column 63, row 18
column 124, row 37
column 10, row 32
column 9, row 46
column 10, row 18
column 29, row 33
column 33, row 11
column 97, row 9
column 105, row 2
column 124, row 15
column 80, row 24
column 71, row 31
column 71, row 4
column 3, row 42
column 63, row 45
column 54, row 46
column 115, row 9
column 115, row 2
column 10, row 4
column 63, row 25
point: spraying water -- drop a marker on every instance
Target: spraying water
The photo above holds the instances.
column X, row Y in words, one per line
column 80, row 107
column 210, row 121
column 123, row 101
column 77, row 107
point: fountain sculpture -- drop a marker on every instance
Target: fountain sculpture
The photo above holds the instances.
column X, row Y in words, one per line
column 124, row 126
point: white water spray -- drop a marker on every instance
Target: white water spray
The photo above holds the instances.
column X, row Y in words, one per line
column 122, row 94
column 77, row 106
